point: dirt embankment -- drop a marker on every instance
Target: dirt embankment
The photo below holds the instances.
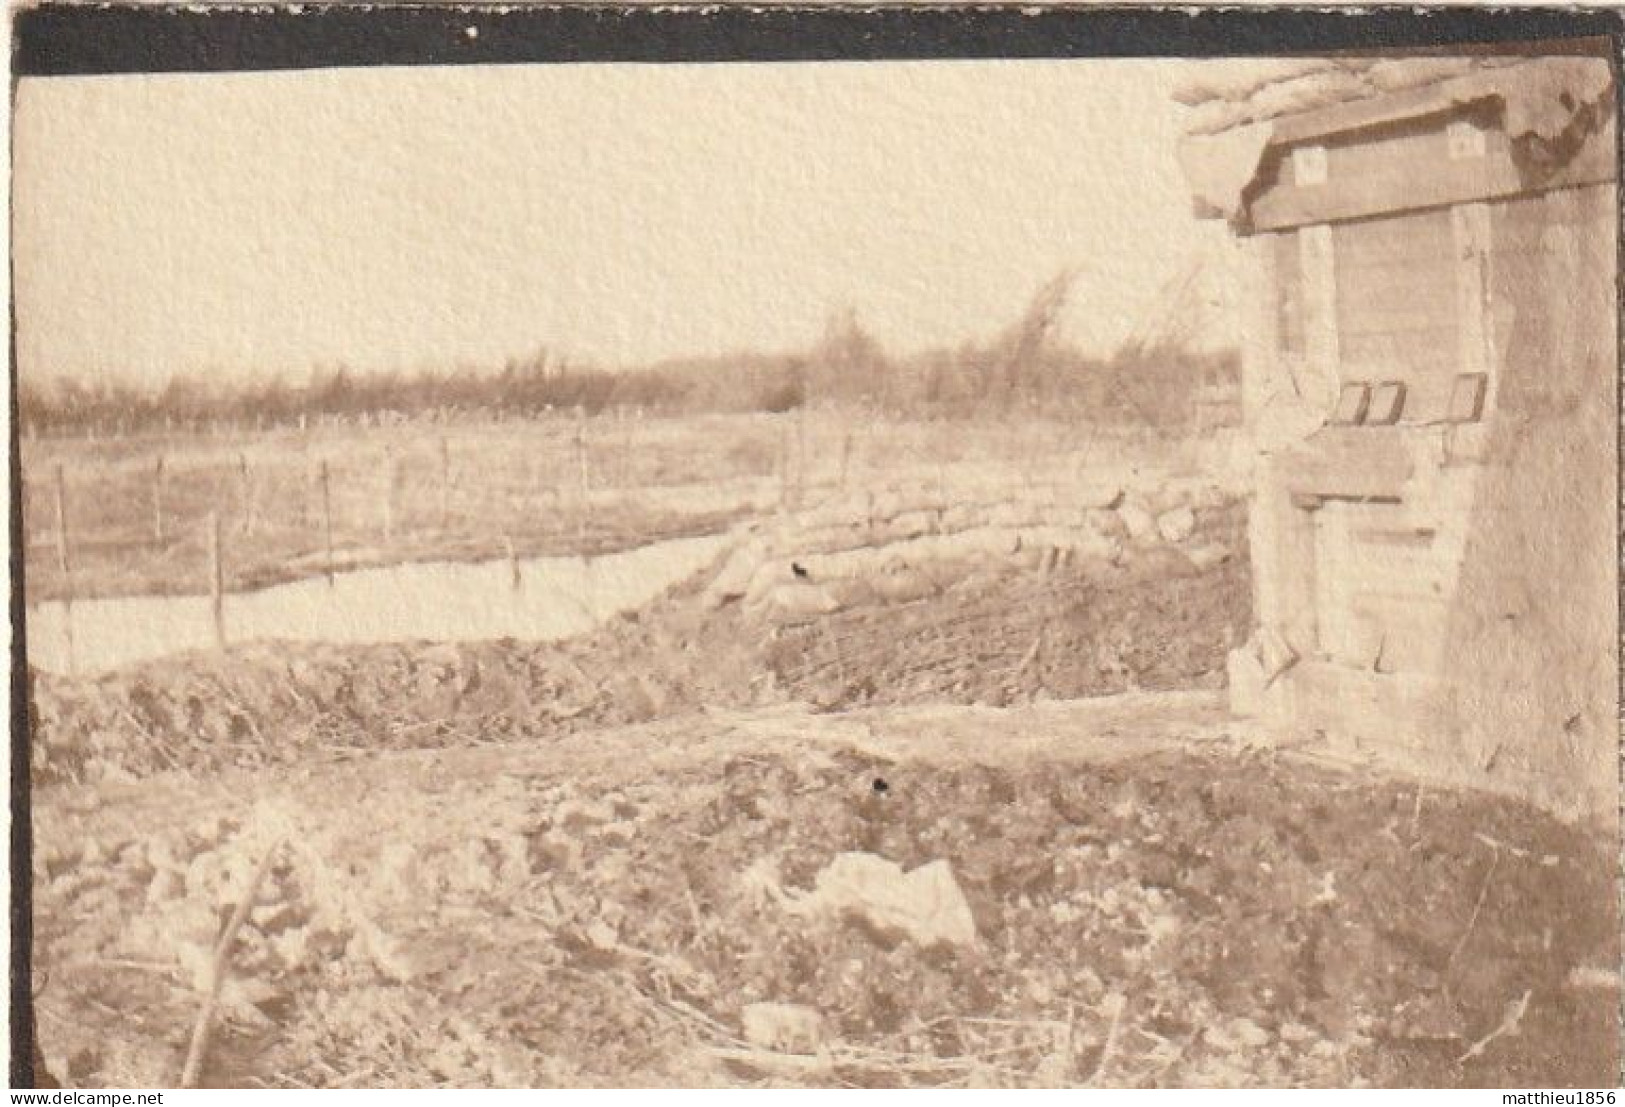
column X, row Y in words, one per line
column 1155, row 621
column 1201, row 916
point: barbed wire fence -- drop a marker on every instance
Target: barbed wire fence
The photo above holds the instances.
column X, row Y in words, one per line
column 224, row 511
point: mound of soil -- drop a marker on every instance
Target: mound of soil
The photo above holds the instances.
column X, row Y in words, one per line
column 1156, row 622
column 523, row 917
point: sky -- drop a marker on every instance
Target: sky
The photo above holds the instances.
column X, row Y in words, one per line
column 262, row 223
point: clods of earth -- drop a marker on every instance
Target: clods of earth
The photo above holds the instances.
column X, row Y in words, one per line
column 729, row 903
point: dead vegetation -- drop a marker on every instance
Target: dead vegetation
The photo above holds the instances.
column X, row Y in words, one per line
column 1157, row 621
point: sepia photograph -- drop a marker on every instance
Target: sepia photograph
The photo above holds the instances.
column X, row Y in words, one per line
column 905, row 551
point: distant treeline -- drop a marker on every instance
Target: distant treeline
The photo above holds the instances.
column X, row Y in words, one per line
column 847, row 368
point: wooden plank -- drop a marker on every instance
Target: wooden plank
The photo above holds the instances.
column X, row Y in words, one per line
column 1470, row 234
column 1286, row 311
column 1374, row 180
column 1353, row 463
column 217, row 581
column 1396, row 285
column 1319, row 267
column 1261, row 277
column 1369, row 707
column 1383, row 111
column 64, row 562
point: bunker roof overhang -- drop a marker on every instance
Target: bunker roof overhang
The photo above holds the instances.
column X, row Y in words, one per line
column 1544, row 123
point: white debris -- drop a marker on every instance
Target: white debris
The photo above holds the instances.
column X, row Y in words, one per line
column 782, row 1027
column 925, row 905
column 1590, row 976
column 1140, row 523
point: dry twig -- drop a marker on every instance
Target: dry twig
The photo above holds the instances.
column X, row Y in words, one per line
column 222, row 962
column 1483, row 894
column 1509, row 1025
column 1118, row 1004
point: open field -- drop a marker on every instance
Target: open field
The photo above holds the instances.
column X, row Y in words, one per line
column 466, row 492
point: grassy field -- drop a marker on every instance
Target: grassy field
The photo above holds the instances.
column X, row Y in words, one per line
column 138, row 508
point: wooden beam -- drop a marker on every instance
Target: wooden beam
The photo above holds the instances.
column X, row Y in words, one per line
column 1374, row 181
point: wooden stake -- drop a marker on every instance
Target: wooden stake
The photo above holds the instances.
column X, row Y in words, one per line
column 158, row 501
column 445, row 483
column 630, row 422
column 513, row 561
column 245, row 481
column 217, row 581
column 584, row 477
column 392, row 477
column 584, row 480
column 63, row 563
column 199, row 1045
column 801, row 456
column 327, row 518
column 61, row 521
column 784, row 468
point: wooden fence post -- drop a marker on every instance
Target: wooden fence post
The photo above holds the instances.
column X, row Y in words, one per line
column 513, row 561
column 158, row 501
column 628, row 458
column 445, row 483
column 217, row 581
column 64, row 564
column 245, row 481
column 801, row 457
column 327, row 519
column 784, row 468
column 392, row 477
column 584, row 479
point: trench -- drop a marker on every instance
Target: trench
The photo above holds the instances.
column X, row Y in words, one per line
column 532, row 599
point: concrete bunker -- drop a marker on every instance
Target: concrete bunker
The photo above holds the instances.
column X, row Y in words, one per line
column 1430, row 372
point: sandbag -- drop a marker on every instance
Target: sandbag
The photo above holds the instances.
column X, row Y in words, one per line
column 769, row 575
column 902, row 585
column 1176, row 525
column 1138, row 521
column 1239, row 78
column 800, row 603
column 1209, row 556
column 1396, row 74
column 964, row 517
column 852, row 592
column 1317, row 90
column 912, row 524
column 733, row 579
